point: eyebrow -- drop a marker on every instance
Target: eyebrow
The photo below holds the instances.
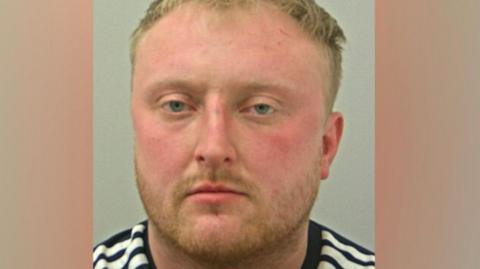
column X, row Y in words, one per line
column 175, row 84
column 259, row 86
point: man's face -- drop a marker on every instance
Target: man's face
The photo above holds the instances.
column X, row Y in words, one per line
column 228, row 111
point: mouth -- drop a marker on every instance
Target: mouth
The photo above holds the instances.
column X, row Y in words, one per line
column 214, row 193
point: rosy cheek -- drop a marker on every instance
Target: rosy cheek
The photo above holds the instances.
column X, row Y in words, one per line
column 278, row 157
column 289, row 144
column 161, row 153
column 268, row 153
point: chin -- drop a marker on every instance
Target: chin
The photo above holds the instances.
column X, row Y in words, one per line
column 214, row 226
column 219, row 238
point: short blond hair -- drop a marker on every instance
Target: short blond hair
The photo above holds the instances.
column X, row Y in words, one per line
column 313, row 20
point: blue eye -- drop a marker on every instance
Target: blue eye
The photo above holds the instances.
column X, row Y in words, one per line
column 176, row 106
column 263, row 109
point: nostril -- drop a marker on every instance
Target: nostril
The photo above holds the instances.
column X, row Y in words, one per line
column 202, row 159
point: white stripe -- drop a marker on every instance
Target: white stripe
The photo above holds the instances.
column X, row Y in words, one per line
column 325, row 265
column 137, row 260
column 118, row 246
column 138, row 228
column 118, row 263
column 110, row 251
column 101, row 264
column 342, row 260
column 352, row 250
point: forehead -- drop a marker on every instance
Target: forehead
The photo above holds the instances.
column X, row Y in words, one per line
column 259, row 37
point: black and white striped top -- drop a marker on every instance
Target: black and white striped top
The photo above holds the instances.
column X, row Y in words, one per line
column 326, row 250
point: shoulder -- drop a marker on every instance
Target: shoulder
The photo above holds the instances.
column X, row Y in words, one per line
column 123, row 250
column 339, row 252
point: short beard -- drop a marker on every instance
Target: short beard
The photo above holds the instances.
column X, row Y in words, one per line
column 259, row 238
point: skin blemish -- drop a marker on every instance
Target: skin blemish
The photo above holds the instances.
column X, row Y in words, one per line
column 283, row 32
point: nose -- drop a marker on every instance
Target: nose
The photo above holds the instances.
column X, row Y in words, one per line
column 214, row 148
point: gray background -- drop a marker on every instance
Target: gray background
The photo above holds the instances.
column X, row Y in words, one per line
column 346, row 199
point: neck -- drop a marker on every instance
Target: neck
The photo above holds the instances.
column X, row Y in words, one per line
column 287, row 254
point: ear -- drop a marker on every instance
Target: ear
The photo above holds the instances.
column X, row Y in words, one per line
column 331, row 141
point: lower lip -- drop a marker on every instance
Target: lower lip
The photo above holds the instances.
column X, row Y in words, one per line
column 214, row 197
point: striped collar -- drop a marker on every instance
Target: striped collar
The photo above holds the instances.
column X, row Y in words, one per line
column 326, row 250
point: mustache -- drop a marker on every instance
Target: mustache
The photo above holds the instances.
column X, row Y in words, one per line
column 216, row 176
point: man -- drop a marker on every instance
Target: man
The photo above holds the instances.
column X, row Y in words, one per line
column 232, row 111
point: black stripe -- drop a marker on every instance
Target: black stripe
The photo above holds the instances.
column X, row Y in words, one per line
column 347, row 254
column 346, row 241
column 331, row 261
column 144, row 266
column 112, row 258
column 111, row 242
column 138, row 250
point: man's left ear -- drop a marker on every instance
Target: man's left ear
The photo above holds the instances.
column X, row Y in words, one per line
column 331, row 141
